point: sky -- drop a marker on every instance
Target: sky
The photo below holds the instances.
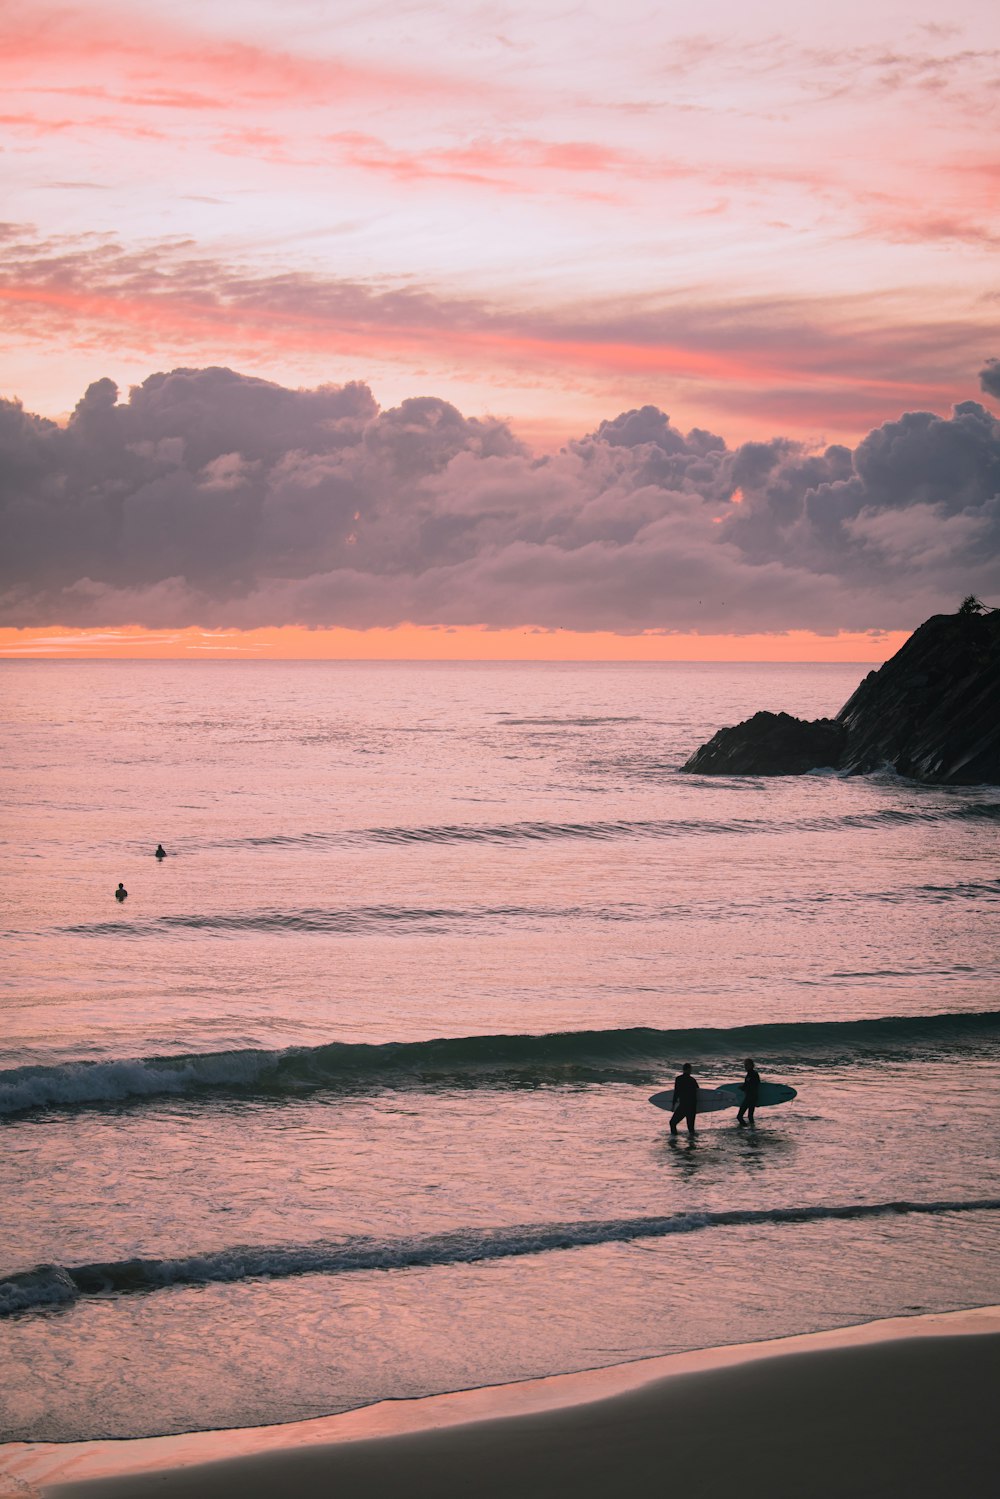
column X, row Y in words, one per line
column 500, row 328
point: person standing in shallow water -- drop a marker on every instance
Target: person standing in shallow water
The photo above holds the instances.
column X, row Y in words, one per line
column 751, row 1092
column 121, row 893
column 685, row 1099
column 161, row 852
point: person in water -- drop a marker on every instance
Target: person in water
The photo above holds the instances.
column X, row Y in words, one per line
column 121, row 893
column 751, row 1092
column 161, row 852
column 685, row 1099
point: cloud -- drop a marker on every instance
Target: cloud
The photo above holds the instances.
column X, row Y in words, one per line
column 218, row 499
column 67, row 49
column 512, row 163
column 907, row 227
column 989, row 378
column 850, row 358
column 918, row 499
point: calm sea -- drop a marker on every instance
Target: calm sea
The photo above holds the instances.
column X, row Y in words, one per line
column 348, row 1100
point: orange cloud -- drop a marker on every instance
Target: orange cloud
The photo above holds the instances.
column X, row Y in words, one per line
column 781, row 357
column 68, row 49
column 158, row 319
column 514, row 163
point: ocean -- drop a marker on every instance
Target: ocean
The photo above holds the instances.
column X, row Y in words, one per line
column 348, row 1100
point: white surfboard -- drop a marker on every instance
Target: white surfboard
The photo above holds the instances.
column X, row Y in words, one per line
column 710, row 1100
column 770, row 1093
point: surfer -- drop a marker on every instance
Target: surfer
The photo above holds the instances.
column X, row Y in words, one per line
column 161, row 852
column 121, row 893
column 751, row 1092
column 685, row 1099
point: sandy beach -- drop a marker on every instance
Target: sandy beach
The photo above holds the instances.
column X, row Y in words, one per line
column 905, row 1406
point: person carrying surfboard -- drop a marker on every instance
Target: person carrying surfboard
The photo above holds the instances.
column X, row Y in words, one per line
column 751, row 1092
column 685, row 1099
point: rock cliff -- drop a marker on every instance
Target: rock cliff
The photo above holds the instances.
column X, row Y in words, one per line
column 932, row 712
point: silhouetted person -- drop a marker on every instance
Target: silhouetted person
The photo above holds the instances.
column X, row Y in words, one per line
column 751, row 1092
column 121, row 893
column 161, row 852
column 685, row 1099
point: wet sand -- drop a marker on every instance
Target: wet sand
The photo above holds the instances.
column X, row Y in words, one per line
column 903, row 1407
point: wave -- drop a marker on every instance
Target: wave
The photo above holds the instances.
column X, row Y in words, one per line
column 964, row 890
column 347, row 920
column 564, row 1058
column 678, row 827
column 547, row 831
column 354, row 920
column 59, row 1285
column 587, row 721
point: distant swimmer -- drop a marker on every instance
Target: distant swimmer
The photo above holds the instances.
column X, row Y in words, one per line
column 161, row 852
column 121, row 893
column 685, row 1099
column 751, row 1093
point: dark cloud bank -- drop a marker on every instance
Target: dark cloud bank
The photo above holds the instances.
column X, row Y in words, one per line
column 217, row 499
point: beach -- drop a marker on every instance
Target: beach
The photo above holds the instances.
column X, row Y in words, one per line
column 905, row 1405
column 347, row 1106
column 499, row 538
column 499, row 797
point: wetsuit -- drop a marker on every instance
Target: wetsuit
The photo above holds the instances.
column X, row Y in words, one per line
column 751, row 1092
column 685, row 1102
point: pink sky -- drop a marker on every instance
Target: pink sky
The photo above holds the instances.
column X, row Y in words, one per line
column 748, row 214
column 762, row 220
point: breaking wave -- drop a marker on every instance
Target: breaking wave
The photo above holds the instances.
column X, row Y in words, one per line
column 564, row 1058
column 60, row 1285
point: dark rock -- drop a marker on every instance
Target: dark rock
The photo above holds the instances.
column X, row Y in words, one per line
column 932, row 712
column 771, row 744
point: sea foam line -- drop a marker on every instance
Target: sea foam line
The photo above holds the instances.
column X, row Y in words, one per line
column 61, row 1285
column 562, row 1058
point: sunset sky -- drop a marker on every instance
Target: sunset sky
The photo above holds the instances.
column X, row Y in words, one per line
column 439, row 273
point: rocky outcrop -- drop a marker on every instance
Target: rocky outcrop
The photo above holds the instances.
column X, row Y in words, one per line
column 932, row 712
column 787, row 746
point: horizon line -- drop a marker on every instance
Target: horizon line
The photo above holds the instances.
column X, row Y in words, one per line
column 429, row 643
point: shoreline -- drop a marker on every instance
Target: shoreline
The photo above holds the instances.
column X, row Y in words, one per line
column 804, row 1400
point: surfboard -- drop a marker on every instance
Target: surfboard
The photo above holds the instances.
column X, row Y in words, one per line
column 770, row 1093
column 710, row 1100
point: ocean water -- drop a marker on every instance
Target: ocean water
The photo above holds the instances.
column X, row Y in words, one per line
column 348, row 1100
